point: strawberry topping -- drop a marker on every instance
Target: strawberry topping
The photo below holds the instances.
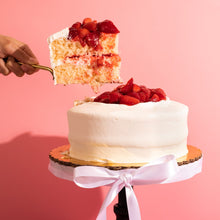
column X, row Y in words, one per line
column 89, row 32
column 131, row 94
column 128, row 100
column 128, row 87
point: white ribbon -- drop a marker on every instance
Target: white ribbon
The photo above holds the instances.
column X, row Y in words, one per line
column 155, row 172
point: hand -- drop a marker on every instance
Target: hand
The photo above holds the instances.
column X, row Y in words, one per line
column 12, row 50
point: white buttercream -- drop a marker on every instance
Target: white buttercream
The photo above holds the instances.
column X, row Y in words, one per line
column 121, row 133
column 61, row 34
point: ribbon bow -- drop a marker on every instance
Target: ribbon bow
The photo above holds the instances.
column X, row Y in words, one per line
column 155, row 172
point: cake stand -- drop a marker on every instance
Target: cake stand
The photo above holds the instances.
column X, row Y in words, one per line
column 122, row 177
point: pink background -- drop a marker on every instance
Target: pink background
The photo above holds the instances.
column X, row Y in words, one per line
column 170, row 44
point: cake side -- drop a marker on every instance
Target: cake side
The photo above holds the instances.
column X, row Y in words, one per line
column 120, row 133
column 131, row 124
column 87, row 69
column 62, row 48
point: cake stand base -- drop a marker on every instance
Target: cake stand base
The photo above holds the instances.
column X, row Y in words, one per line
column 121, row 208
column 62, row 166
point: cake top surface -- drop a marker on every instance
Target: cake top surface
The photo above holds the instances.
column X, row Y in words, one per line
column 129, row 97
column 131, row 94
column 163, row 107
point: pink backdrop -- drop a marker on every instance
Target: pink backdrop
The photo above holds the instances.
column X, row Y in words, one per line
column 170, row 44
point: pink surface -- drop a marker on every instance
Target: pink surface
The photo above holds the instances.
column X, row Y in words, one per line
column 169, row 44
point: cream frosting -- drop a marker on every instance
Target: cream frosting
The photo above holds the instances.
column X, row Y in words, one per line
column 61, row 34
column 127, row 134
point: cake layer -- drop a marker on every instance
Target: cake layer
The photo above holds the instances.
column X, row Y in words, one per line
column 61, row 47
column 88, row 69
column 127, row 134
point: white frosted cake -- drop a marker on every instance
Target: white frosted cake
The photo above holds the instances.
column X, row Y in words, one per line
column 86, row 53
column 123, row 126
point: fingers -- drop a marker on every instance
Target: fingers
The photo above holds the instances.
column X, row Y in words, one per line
column 3, row 68
column 21, row 55
column 19, row 50
column 14, row 67
column 10, row 65
column 28, row 69
column 28, row 51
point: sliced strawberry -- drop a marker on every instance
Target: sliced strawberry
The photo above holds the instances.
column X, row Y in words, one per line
column 136, row 88
column 82, row 32
column 81, row 40
column 160, row 93
column 72, row 33
column 114, row 97
column 87, row 20
column 92, row 39
column 76, row 25
column 155, row 98
column 127, row 87
column 104, row 97
column 128, row 100
column 91, row 26
column 143, row 96
column 134, row 94
column 107, row 27
column 146, row 91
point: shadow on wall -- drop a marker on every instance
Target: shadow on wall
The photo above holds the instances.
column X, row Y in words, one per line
column 29, row 191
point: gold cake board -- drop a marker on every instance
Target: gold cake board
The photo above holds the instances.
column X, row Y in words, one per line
column 61, row 156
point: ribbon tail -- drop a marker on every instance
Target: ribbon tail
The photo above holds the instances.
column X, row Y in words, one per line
column 113, row 192
column 132, row 203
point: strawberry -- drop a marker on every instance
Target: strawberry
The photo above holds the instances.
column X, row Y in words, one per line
column 134, row 94
column 82, row 32
column 161, row 94
column 136, row 88
column 87, row 20
column 155, row 98
column 114, row 97
column 91, row 26
column 82, row 41
column 72, row 33
column 92, row 39
column 107, row 27
column 127, row 87
column 147, row 92
column 104, row 97
column 143, row 96
column 76, row 25
column 128, row 100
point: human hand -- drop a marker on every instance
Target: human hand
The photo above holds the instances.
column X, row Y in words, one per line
column 12, row 50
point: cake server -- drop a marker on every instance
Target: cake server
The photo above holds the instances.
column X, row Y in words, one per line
column 36, row 66
column 40, row 67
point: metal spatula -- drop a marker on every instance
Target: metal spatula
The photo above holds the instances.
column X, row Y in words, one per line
column 40, row 67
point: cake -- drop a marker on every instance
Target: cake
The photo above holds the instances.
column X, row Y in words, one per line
column 86, row 53
column 131, row 124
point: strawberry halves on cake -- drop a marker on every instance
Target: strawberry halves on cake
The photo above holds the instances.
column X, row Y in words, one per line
column 86, row 53
column 131, row 94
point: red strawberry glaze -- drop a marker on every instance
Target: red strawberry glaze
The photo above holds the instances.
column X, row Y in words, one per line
column 89, row 32
column 131, row 94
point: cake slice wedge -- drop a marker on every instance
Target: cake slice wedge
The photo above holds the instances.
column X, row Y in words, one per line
column 86, row 53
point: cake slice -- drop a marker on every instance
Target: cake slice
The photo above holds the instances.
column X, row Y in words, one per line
column 86, row 53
